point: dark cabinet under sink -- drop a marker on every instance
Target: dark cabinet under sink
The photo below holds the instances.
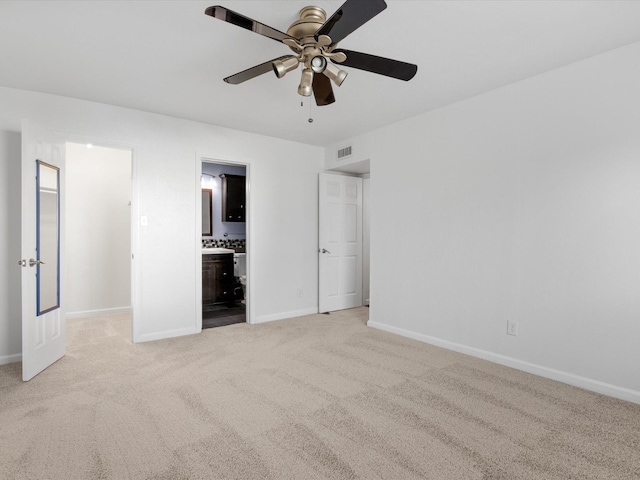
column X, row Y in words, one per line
column 233, row 198
column 217, row 279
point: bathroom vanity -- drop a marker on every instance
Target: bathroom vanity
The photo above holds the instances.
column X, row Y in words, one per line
column 217, row 276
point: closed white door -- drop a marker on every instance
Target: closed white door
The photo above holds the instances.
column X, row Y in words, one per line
column 340, row 242
column 43, row 307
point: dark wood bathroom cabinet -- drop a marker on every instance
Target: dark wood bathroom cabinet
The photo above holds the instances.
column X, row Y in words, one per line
column 217, row 278
column 233, row 198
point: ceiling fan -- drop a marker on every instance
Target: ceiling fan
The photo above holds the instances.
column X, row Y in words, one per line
column 314, row 41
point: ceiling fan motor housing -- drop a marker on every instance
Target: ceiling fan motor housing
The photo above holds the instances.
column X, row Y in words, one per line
column 304, row 29
column 312, row 52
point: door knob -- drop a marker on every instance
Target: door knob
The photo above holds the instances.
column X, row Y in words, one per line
column 324, row 250
column 33, row 262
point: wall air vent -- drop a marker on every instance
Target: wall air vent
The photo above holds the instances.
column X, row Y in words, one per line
column 344, row 152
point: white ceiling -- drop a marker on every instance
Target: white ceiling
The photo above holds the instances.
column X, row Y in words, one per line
column 169, row 57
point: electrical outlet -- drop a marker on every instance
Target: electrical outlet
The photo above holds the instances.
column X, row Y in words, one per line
column 299, row 293
column 512, row 328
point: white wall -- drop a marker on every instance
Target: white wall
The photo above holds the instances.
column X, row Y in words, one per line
column 164, row 155
column 98, row 229
column 520, row 204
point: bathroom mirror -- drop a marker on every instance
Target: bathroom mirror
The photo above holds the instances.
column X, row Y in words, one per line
column 47, row 237
column 207, row 224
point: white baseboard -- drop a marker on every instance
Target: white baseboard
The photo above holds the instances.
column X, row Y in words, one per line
column 7, row 359
column 97, row 313
column 167, row 334
column 283, row 315
column 564, row 377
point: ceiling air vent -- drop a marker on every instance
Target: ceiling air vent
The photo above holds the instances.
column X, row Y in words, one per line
column 344, row 152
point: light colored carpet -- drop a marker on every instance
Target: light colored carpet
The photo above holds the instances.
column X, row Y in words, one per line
column 320, row 396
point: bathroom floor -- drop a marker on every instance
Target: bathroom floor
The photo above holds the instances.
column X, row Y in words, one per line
column 221, row 315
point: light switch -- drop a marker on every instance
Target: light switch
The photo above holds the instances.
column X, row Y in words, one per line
column 144, row 221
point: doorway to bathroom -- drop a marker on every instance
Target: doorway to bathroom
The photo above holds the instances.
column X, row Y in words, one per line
column 224, row 243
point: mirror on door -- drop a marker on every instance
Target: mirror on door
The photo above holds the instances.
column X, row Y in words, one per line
column 48, row 237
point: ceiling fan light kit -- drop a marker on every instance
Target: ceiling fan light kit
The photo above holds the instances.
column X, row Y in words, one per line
column 306, row 82
column 314, row 41
column 335, row 74
column 282, row 67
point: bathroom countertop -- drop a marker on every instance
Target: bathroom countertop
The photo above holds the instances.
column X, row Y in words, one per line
column 214, row 251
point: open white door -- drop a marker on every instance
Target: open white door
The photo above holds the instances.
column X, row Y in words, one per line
column 43, row 309
column 340, row 242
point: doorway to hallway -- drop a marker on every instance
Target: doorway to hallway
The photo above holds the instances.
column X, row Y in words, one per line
column 98, row 230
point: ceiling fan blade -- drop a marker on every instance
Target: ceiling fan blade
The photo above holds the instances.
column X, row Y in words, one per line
column 380, row 65
column 322, row 90
column 253, row 72
column 349, row 17
column 229, row 16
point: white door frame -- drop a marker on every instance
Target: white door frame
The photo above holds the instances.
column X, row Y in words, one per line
column 200, row 158
column 366, row 239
